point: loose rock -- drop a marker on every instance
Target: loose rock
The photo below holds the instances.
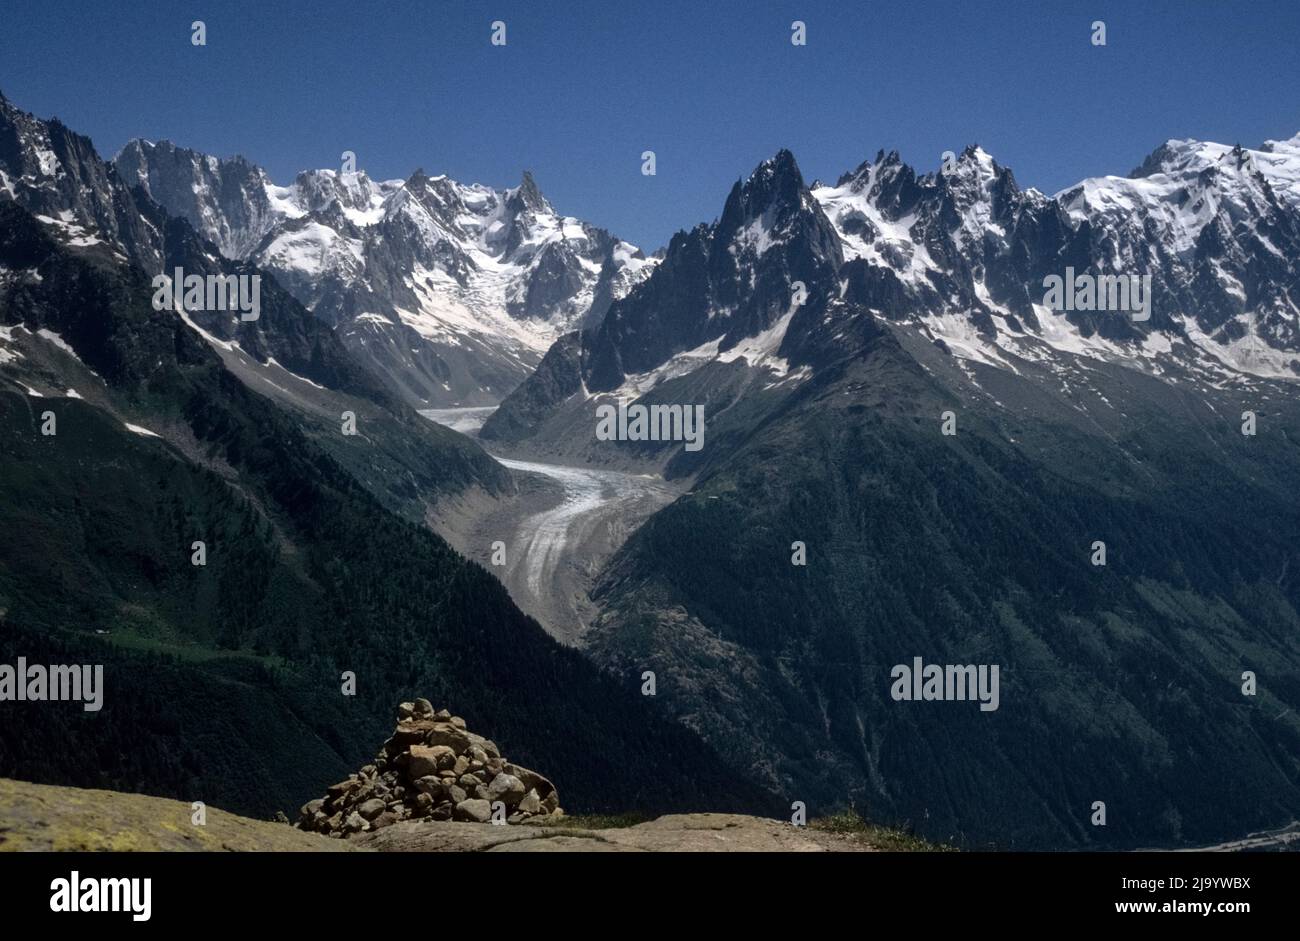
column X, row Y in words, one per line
column 530, row 804
column 506, row 788
column 431, row 768
column 372, row 808
column 477, row 811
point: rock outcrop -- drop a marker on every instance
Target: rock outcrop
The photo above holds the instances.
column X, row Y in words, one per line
column 431, row 768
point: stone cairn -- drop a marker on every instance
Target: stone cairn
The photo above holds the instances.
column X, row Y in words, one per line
column 432, row 768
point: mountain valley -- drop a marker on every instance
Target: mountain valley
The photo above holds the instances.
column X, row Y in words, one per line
column 910, row 452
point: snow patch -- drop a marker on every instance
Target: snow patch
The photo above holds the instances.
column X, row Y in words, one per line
column 47, row 161
column 58, row 341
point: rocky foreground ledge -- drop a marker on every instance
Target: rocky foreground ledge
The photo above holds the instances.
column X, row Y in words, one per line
column 675, row 833
column 39, row 817
column 44, row 818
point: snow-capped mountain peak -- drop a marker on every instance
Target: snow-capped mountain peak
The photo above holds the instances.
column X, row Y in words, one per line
column 453, row 291
column 962, row 256
column 527, row 197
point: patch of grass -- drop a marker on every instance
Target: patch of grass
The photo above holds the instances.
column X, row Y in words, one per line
column 893, row 840
column 186, row 650
column 594, row 821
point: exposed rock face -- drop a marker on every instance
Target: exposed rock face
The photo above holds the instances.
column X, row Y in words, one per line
column 450, row 293
column 431, row 768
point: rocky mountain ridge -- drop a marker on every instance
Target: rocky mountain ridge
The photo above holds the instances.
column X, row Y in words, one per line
column 449, row 292
column 790, row 276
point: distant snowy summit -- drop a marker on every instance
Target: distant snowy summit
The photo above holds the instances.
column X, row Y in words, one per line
column 1200, row 246
column 450, row 292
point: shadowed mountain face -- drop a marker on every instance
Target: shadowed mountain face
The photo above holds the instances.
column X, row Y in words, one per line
column 1120, row 683
column 189, row 515
column 57, row 175
column 284, row 353
column 924, row 458
column 723, row 283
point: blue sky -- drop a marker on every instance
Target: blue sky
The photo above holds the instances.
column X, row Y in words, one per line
column 712, row 86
